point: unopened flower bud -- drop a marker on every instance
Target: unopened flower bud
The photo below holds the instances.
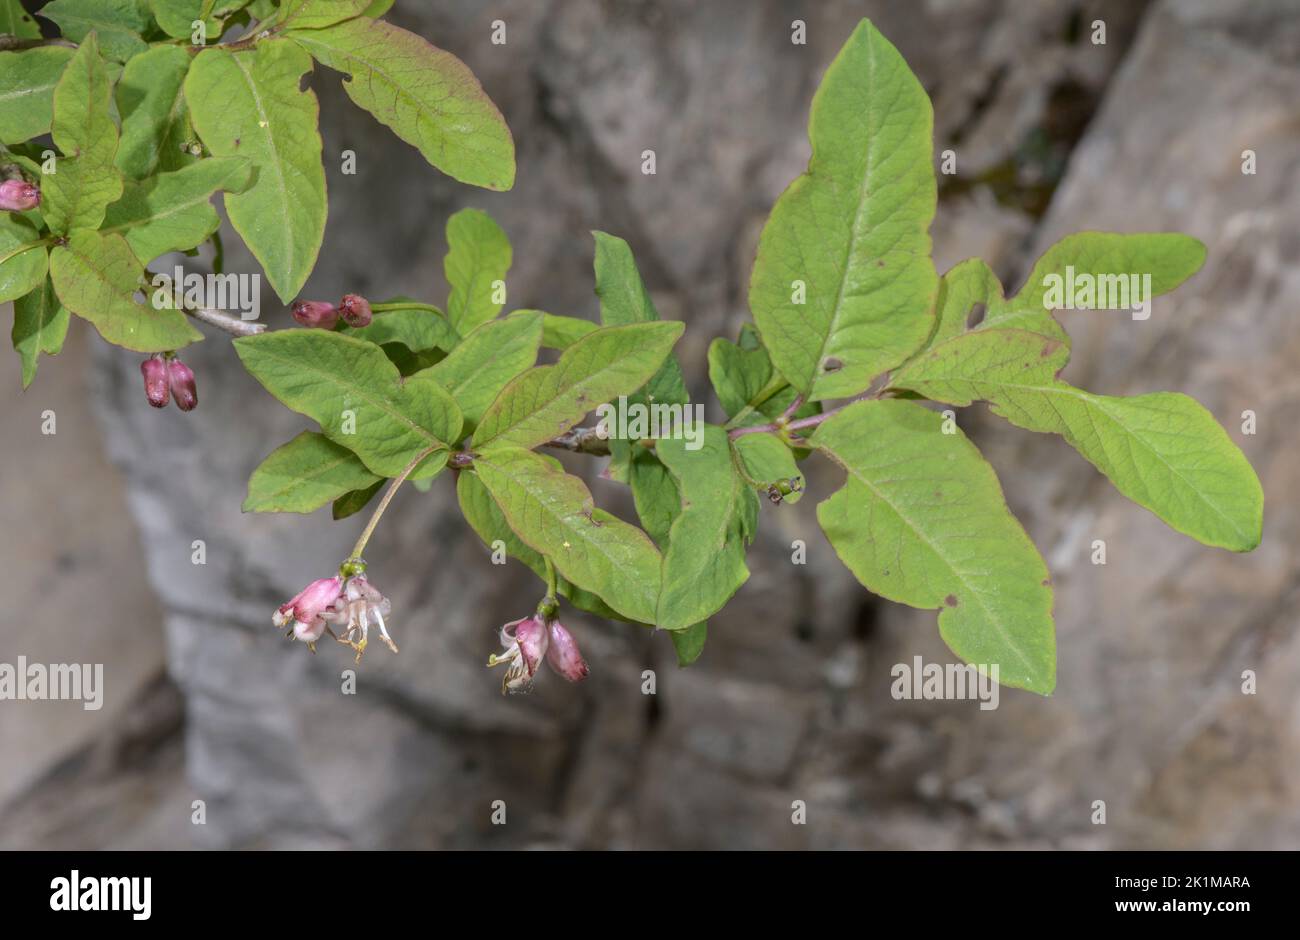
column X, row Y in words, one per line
column 154, row 370
column 315, row 313
column 563, row 656
column 181, row 379
column 19, row 196
column 355, row 310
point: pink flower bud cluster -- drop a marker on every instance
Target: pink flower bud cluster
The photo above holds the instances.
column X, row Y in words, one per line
column 169, row 378
column 353, row 309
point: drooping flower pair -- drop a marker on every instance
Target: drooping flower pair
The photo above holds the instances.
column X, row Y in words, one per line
column 347, row 601
column 166, row 378
column 353, row 309
column 530, row 640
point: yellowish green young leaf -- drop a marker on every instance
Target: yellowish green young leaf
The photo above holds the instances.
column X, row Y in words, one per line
column 1163, row 451
column 554, row 514
column 177, row 17
column 85, row 181
column 40, row 325
column 548, row 400
column 921, row 520
column 97, row 276
column 156, row 130
column 418, row 329
column 486, row 519
column 27, row 80
column 623, row 300
column 843, row 287
column 559, row 332
column 249, row 104
column 427, row 96
column 478, row 257
column 305, row 474
column 486, row 359
column 704, row 564
column 357, row 396
column 1168, row 258
column 174, row 211
column 312, row 14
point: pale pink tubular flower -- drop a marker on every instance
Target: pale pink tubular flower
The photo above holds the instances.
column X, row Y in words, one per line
column 355, row 609
column 306, row 610
column 530, row 640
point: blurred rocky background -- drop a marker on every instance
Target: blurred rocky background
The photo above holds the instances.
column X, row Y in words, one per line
column 1053, row 133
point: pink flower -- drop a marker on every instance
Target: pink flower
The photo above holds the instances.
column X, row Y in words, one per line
column 181, row 379
column 18, row 196
column 527, row 642
column 154, row 370
column 315, row 313
column 354, row 609
column 355, row 310
column 306, row 610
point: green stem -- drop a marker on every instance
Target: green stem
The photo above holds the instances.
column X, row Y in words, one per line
column 398, row 480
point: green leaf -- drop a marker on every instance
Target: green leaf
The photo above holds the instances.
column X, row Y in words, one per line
column 311, row 14
column 23, row 257
column 248, row 104
column 27, row 81
column 97, row 276
column 174, row 211
column 489, row 357
column 349, row 504
column 746, row 384
column 921, row 520
column 624, row 300
column 1170, row 259
column 156, row 129
column 654, row 492
column 177, row 17
column 485, row 518
column 854, row 229
column 689, row 643
column 17, row 22
column 305, row 474
column 478, row 255
column 378, row 7
column 559, row 332
column 554, row 514
column 118, row 23
column 768, row 461
column 419, row 328
column 548, row 400
column 40, row 325
column 85, row 181
column 357, row 396
column 428, row 97
column 705, row 561
column 1163, row 450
